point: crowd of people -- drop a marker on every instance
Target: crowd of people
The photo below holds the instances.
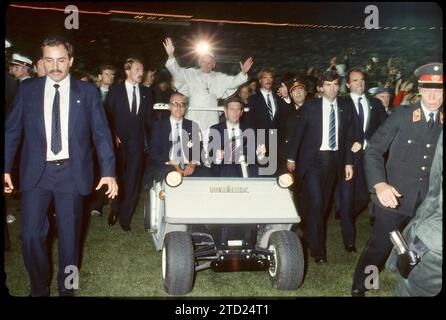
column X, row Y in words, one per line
column 344, row 144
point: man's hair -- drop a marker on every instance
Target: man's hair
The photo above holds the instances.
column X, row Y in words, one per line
column 106, row 67
column 128, row 63
column 327, row 76
column 55, row 41
column 354, row 69
column 232, row 99
column 265, row 70
column 177, row 94
column 243, row 85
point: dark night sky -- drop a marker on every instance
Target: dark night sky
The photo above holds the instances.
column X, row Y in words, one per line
column 397, row 13
column 101, row 38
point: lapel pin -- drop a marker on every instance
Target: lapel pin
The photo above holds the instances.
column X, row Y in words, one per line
column 78, row 101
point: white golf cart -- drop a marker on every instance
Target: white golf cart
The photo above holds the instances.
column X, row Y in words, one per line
column 227, row 224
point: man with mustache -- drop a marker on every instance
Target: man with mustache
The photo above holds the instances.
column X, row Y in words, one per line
column 129, row 107
column 58, row 117
column 267, row 112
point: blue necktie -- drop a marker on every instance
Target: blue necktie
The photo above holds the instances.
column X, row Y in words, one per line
column 56, row 139
column 332, row 128
column 134, row 101
column 270, row 108
column 431, row 120
column 361, row 113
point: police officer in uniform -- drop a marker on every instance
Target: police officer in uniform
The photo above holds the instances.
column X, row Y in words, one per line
column 410, row 135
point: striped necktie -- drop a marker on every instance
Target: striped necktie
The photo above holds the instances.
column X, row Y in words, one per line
column 270, row 108
column 332, row 128
column 233, row 146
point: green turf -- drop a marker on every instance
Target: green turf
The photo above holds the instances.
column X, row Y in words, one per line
column 120, row 264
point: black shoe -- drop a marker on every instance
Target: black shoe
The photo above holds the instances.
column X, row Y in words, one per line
column 320, row 260
column 126, row 228
column 350, row 248
column 357, row 292
column 44, row 293
column 112, row 218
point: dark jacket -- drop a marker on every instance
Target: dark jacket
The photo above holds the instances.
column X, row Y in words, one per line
column 411, row 145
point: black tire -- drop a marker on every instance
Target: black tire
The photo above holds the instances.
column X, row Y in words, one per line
column 147, row 210
column 287, row 271
column 178, row 267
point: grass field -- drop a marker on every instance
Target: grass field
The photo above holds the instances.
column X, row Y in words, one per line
column 120, row 264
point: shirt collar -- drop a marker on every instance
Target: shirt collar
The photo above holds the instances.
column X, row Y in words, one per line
column 173, row 122
column 265, row 92
column 356, row 96
column 64, row 83
column 130, row 86
column 427, row 111
column 328, row 103
column 230, row 126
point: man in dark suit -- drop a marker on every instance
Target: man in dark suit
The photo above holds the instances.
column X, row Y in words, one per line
column 232, row 145
column 382, row 94
column 320, row 153
column 174, row 144
column 266, row 112
column 398, row 187
column 129, row 107
column 57, row 114
column 97, row 200
column 369, row 114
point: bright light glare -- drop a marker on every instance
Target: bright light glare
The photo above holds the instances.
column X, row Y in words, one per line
column 202, row 48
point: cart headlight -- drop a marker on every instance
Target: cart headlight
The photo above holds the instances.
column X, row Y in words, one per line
column 285, row 180
column 174, row 179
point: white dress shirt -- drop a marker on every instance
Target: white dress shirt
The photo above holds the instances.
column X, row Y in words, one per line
column 365, row 108
column 64, row 93
column 271, row 98
column 326, row 108
column 129, row 88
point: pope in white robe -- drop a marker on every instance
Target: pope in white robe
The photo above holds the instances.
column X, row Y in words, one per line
column 203, row 86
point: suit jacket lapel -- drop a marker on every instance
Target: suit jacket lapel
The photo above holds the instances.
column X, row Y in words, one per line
column 38, row 97
column 371, row 107
column 320, row 119
column 142, row 99
column 74, row 105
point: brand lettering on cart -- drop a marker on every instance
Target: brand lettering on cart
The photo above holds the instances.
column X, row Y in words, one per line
column 228, row 189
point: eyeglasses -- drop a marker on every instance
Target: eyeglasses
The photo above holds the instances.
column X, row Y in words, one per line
column 178, row 104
